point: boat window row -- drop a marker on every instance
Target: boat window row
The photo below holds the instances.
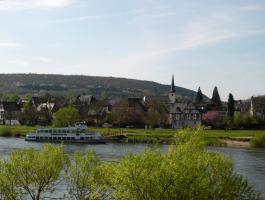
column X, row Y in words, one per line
column 59, row 131
column 63, row 138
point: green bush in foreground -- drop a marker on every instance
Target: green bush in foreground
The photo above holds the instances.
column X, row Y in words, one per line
column 5, row 132
column 187, row 171
column 258, row 142
column 28, row 174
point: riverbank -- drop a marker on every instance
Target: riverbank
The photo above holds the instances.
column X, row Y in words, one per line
column 231, row 138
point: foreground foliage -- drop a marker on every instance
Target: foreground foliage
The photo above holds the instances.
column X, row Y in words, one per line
column 187, row 171
column 30, row 174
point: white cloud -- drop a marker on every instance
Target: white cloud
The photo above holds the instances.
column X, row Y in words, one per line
column 33, row 4
column 7, row 44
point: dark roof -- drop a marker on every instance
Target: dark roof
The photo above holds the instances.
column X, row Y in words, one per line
column 38, row 100
column 11, row 106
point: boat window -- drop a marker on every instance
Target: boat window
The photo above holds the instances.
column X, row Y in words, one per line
column 82, row 138
column 68, row 138
column 50, row 138
column 72, row 138
column 37, row 137
column 50, row 131
column 64, row 131
column 46, row 138
column 59, row 138
column 46, row 131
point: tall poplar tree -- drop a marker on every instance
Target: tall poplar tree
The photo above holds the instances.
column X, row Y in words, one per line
column 199, row 96
column 231, row 105
column 216, row 100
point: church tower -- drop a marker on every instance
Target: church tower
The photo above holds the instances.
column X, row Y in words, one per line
column 172, row 93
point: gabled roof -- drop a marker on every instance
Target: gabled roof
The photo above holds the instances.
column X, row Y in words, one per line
column 38, row 100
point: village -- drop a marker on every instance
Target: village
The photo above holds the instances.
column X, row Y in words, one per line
column 169, row 111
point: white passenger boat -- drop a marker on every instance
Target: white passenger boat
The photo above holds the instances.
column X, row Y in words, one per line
column 76, row 134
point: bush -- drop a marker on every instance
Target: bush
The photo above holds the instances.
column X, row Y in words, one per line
column 258, row 142
column 5, row 132
column 187, row 171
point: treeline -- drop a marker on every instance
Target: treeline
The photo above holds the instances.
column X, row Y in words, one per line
column 186, row 171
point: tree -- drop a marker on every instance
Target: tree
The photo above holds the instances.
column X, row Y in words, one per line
column 199, row 96
column 81, row 176
column 29, row 116
column 66, row 117
column 118, row 113
column 231, row 105
column 32, row 173
column 156, row 114
column 216, row 98
column 187, row 171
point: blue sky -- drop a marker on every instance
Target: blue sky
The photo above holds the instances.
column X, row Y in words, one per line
column 203, row 42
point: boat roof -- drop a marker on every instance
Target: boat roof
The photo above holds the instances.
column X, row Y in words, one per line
column 64, row 128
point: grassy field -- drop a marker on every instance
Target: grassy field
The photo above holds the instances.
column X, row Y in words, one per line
column 167, row 135
column 15, row 131
column 212, row 137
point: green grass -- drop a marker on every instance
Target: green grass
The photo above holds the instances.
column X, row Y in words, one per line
column 212, row 137
column 15, row 131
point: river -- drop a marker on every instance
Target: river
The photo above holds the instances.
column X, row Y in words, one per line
column 248, row 162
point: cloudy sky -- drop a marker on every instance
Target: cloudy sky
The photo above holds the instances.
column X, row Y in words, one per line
column 203, row 42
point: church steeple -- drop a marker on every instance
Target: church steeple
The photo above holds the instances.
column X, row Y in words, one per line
column 173, row 89
column 172, row 94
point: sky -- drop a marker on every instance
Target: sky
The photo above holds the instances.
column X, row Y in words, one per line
column 203, row 43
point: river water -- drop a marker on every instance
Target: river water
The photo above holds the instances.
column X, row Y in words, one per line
column 248, row 162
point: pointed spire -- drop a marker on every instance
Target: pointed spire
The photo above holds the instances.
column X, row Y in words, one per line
column 173, row 89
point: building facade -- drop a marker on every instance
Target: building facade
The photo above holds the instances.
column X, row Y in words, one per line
column 182, row 114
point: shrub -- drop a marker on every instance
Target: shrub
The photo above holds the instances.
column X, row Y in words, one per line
column 5, row 132
column 258, row 142
column 187, row 171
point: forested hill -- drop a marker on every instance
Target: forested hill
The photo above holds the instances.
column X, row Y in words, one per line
column 69, row 85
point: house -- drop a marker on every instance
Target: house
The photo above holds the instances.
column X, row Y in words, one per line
column 257, row 107
column 87, row 99
column 182, row 114
column 10, row 113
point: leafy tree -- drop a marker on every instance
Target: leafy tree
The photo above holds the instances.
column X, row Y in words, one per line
column 65, row 117
column 31, row 173
column 82, row 178
column 118, row 113
column 231, row 105
column 216, row 100
column 156, row 114
column 7, row 185
column 199, row 96
column 187, row 171
column 29, row 116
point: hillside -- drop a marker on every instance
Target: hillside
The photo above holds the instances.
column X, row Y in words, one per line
column 69, row 85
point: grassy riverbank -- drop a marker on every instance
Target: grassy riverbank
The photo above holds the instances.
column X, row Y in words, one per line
column 15, row 131
column 212, row 137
